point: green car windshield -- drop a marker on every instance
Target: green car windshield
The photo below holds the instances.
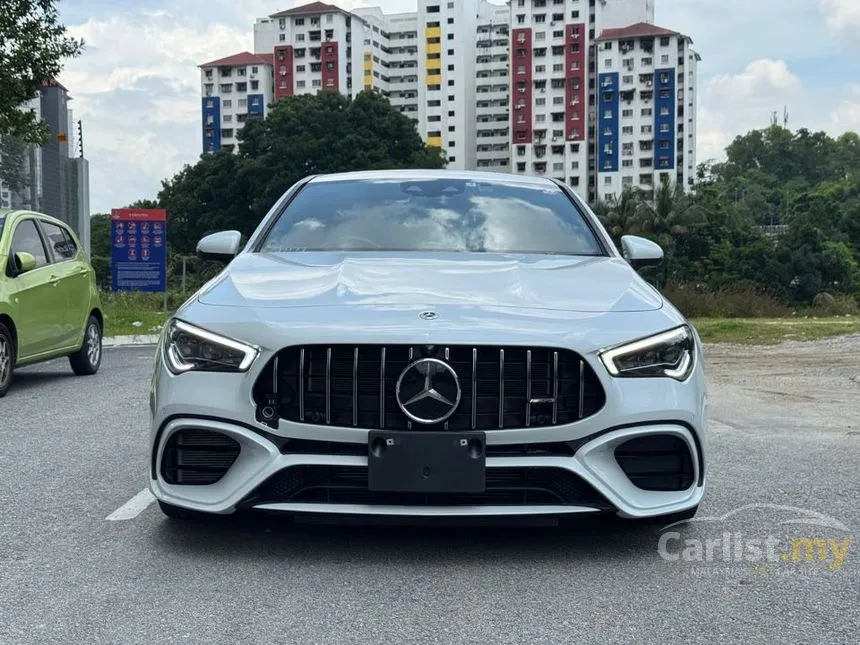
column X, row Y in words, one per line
column 2, row 222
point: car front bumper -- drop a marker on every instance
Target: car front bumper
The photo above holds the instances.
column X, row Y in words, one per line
column 635, row 408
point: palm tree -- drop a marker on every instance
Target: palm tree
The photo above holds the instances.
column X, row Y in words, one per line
column 619, row 213
column 671, row 212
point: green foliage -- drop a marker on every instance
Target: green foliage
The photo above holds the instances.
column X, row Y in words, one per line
column 33, row 46
column 804, row 186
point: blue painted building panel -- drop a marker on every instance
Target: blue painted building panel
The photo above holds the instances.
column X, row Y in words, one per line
column 256, row 105
column 211, row 112
column 608, row 119
column 664, row 119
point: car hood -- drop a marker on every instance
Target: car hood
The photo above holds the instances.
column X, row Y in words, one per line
column 585, row 284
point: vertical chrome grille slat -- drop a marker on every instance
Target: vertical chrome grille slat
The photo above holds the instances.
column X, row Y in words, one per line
column 355, row 387
column 501, row 388
column 447, row 353
column 528, row 387
column 328, row 385
column 275, row 376
column 581, row 387
column 474, row 387
column 554, row 387
column 382, row 389
column 302, row 384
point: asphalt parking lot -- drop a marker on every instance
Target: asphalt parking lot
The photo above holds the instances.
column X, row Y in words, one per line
column 784, row 446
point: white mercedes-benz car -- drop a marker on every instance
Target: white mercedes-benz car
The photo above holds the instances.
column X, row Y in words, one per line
column 429, row 343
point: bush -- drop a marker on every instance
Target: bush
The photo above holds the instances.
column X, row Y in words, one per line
column 825, row 304
column 735, row 302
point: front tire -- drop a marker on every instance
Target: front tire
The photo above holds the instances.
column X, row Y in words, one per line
column 7, row 359
column 87, row 360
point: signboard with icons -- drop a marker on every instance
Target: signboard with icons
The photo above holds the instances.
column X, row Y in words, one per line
column 139, row 249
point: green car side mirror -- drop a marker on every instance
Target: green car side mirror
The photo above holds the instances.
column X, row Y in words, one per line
column 24, row 262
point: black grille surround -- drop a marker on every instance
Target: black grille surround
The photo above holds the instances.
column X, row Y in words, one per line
column 505, row 486
column 658, row 462
column 354, row 386
column 197, row 457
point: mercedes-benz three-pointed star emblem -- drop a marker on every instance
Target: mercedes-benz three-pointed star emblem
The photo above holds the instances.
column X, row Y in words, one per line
column 428, row 391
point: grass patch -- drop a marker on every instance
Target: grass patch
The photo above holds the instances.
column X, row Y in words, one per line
column 771, row 331
column 137, row 313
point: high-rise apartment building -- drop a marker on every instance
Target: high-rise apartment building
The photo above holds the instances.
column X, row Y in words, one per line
column 234, row 89
column 645, row 108
column 519, row 87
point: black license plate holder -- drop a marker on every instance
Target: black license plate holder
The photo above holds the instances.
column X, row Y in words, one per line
column 426, row 462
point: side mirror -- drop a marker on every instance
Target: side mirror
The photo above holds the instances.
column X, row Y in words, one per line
column 23, row 262
column 640, row 252
column 220, row 247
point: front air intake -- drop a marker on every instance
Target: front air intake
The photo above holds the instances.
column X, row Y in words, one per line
column 660, row 462
column 197, row 457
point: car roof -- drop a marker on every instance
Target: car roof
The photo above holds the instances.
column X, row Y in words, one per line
column 406, row 175
column 10, row 213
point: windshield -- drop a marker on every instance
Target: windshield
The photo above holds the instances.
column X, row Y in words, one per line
column 2, row 222
column 432, row 215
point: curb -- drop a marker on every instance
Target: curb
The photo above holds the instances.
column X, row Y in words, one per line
column 127, row 341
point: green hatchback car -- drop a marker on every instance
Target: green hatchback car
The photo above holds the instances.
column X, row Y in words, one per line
column 49, row 303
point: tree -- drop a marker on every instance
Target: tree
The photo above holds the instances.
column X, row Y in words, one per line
column 209, row 196
column 33, row 47
column 672, row 212
column 618, row 214
column 100, row 235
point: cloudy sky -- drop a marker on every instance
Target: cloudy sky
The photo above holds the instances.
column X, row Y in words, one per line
column 137, row 86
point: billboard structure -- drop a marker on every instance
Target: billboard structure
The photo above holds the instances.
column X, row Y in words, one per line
column 139, row 249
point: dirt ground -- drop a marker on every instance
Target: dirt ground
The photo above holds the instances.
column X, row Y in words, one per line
column 813, row 384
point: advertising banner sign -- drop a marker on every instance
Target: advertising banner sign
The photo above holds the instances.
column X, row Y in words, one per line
column 139, row 249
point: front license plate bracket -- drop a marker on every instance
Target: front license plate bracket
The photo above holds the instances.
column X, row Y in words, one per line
column 426, row 462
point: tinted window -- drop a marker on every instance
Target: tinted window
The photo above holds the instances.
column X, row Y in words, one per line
column 59, row 241
column 432, row 215
column 27, row 240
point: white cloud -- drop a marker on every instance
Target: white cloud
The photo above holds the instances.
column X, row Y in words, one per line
column 734, row 104
column 843, row 19
column 137, row 90
column 761, row 78
column 846, row 116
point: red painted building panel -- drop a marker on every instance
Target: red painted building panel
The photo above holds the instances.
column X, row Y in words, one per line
column 576, row 88
column 284, row 72
column 521, row 86
column 329, row 57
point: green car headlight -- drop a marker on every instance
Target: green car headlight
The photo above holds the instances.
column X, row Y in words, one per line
column 669, row 354
column 188, row 348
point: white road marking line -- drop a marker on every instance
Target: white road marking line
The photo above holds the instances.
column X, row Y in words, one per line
column 133, row 507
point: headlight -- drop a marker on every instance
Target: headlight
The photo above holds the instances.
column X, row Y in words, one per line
column 188, row 348
column 671, row 353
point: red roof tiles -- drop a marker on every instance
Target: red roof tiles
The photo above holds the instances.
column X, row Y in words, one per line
column 313, row 7
column 243, row 58
column 638, row 30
